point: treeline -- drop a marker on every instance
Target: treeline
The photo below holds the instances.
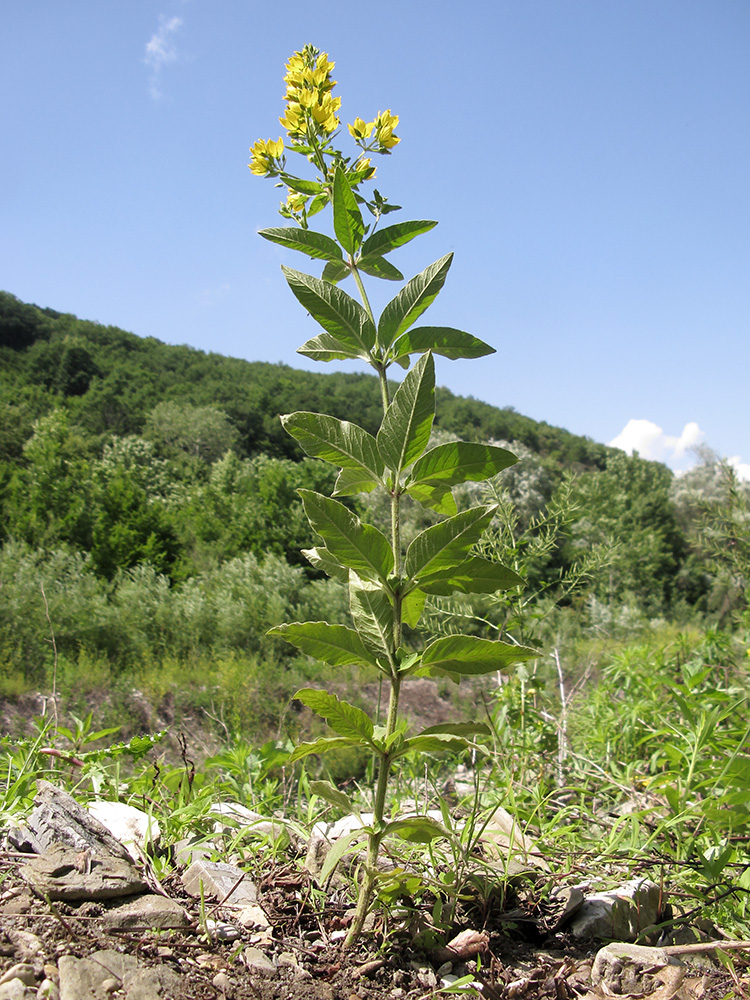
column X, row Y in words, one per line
column 109, row 381
column 129, row 464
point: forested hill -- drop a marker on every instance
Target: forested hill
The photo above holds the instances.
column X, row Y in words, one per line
column 128, row 466
column 109, row 381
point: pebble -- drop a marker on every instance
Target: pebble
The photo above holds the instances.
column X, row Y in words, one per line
column 221, row 981
column 21, row 971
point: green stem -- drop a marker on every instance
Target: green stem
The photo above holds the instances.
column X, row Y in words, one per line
column 378, row 823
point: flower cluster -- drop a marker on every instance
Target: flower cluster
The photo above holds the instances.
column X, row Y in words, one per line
column 310, row 103
column 384, row 140
column 266, row 157
column 310, row 120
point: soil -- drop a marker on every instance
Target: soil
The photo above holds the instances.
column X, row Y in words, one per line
column 518, row 957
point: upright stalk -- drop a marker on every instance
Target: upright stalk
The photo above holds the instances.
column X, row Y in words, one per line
column 385, row 761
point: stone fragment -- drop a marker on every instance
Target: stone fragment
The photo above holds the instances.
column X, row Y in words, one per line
column 233, row 815
column 132, row 827
column 150, row 984
column 623, row 968
column 58, row 819
column 221, row 981
column 220, row 930
column 146, row 912
column 64, row 873
column 504, row 840
column 16, row 989
column 48, row 990
column 253, row 916
column 620, row 913
column 22, row 971
column 223, row 882
column 82, row 978
column 258, row 963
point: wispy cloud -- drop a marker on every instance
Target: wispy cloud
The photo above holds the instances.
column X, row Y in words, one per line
column 650, row 441
column 160, row 51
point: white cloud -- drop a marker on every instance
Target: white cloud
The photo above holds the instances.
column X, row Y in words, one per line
column 650, row 441
column 160, row 51
column 741, row 468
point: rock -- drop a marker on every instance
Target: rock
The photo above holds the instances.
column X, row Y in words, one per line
column 620, row 913
column 64, row 873
column 48, row 990
column 146, row 912
column 253, row 916
column 148, row 984
column 223, row 882
column 504, row 840
column 88, row 978
column 234, row 815
column 58, row 819
column 220, row 930
column 132, row 827
column 259, row 964
column 630, row 968
column 82, row 978
column 16, row 989
column 22, row 971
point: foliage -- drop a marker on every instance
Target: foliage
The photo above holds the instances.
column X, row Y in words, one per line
column 388, row 583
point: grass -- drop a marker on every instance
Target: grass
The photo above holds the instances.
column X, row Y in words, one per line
column 646, row 773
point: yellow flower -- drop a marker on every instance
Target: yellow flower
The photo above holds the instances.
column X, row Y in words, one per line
column 324, row 112
column 361, row 129
column 384, row 126
column 363, row 163
column 295, row 201
column 294, row 120
column 264, row 153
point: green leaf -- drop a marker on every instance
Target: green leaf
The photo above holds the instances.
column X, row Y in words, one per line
column 335, row 271
column 465, row 655
column 416, row 295
column 342, row 717
column 347, row 218
column 459, row 462
column 325, row 790
column 372, row 614
column 302, row 186
column 337, row 441
column 474, row 576
column 379, row 267
column 445, row 545
column 347, row 844
column 412, row 607
column 321, row 558
column 323, row 745
column 338, row 313
column 335, row 644
column 307, row 241
column 430, row 744
column 436, row 496
column 417, row 829
column 352, row 481
column 384, row 240
column 405, row 430
column 442, row 340
column 458, row 729
column 324, row 347
column 359, row 546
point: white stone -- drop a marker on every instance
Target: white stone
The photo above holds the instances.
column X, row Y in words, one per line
column 621, row 914
column 132, row 827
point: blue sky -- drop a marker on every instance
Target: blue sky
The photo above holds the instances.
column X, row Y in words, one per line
column 587, row 160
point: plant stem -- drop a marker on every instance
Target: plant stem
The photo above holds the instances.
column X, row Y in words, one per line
column 378, row 823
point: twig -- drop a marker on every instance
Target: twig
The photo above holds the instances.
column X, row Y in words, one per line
column 54, row 650
column 701, row 946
